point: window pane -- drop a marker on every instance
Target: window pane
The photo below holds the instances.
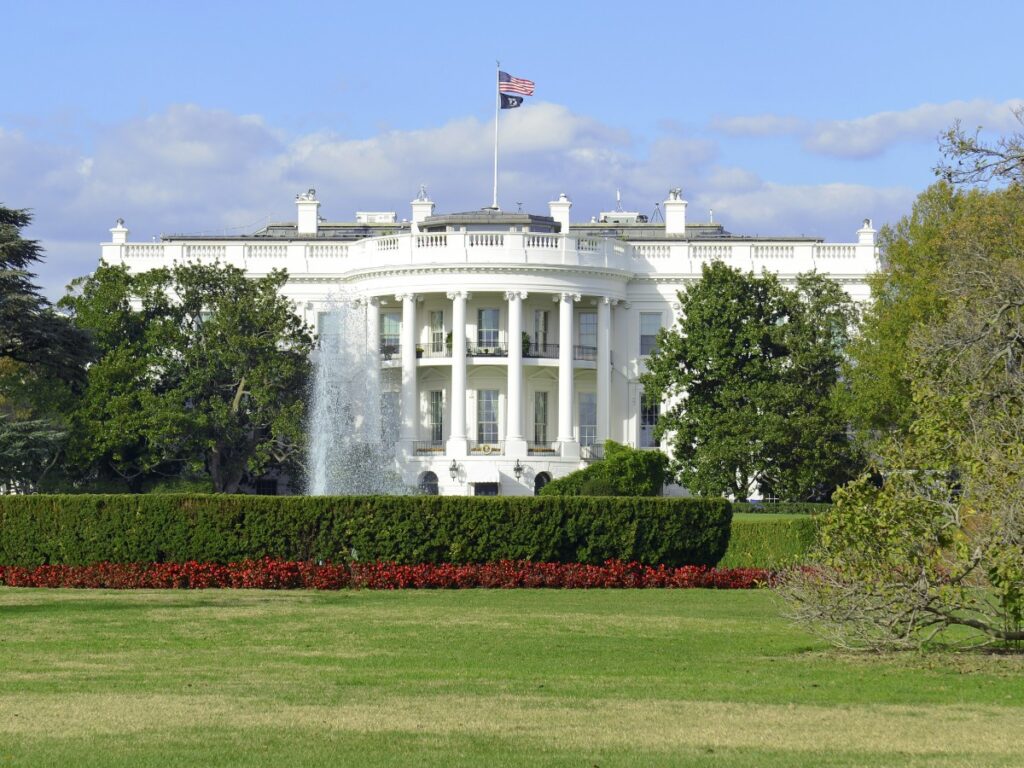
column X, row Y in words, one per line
column 540, row 327
column 487, row 328
column 540, row 417
column 588, row 418
column 487, row 415
column 437, row 330
column 650, row 324
column 588, row 329
column 650, row 409
column 390, row 330
column 436, row 416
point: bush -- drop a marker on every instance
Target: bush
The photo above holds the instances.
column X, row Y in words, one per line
column 780, row 508
column 83, row 529
column 769, row 541
column 282, row 574
column 624, row 471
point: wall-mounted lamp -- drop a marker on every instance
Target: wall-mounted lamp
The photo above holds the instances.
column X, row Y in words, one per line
column 453, row 470
column 518, row 469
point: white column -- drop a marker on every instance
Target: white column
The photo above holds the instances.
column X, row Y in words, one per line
column 570, row 446
column 457, row 434
column 604, row 366
column 515, row 443
column 410, row 396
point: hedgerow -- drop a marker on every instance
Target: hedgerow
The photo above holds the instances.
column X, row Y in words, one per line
column 769, row 541
column 84, row 529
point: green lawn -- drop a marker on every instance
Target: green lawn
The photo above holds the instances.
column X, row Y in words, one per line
column 476, row 678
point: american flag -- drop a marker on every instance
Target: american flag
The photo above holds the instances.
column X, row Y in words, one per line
column 509, row 84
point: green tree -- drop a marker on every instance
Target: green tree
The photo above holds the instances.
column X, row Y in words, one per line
column 750, row 372
column 201, row 369
column 42, row 359
column 623, row 471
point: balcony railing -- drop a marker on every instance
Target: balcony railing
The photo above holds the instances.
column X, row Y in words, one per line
column 389, row 351
column 486, row 447
column 584, row 353
column 428, row 447
column 545, row 448
column 592, row 452
column 435, row 349
column 541, row 350
column 497, row 349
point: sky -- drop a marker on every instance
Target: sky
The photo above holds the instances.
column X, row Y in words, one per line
column 784, row 118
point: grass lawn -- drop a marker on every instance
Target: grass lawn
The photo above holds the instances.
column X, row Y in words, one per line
column 476, row 678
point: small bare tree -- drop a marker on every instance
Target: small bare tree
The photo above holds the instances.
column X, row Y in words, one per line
column 967, row 159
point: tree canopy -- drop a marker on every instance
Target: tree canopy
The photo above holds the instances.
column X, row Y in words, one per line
column 750, row 371
column 201, row 369
column 624, row 471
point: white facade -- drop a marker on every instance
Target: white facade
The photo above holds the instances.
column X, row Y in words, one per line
column 450, row 298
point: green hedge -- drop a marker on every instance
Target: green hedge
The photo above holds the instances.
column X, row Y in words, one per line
column 769, row 541
column 781, row 508
column 83, row 529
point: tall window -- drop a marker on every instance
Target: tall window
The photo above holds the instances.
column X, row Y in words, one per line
column 487, row 328
column 588, row 329
column 487, row 415
column 540, row 328
column 540, row 417
column 436, row 330
column 436, row 416
column 588, row 418
column 650, row 409
column 650, row 324
column 390, row 331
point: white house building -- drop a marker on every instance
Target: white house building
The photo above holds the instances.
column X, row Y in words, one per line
column 513, row 342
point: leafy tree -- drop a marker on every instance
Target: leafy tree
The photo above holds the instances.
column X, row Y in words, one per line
column 624, row 471
column 202, row 368
column 42, row 358
column 967, row 159
column 750, row 372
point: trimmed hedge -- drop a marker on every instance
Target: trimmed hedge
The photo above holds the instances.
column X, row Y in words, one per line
column 769, row 541
column 781, row 508
column 85, row 529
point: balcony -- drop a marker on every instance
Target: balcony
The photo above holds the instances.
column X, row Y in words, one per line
column 490, row 349
column 390, row 350
column 428, row 448
column 592, row 452
column 584, row 353
column 545, row 448
column 486, row 447
column 435, row 349
column 541, row 350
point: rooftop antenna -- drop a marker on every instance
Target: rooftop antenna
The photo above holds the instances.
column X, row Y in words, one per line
column 656, row 216
column 711, row 215
column 520, row 204
column 618, row 201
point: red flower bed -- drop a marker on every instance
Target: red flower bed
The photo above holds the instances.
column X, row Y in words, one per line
column 269, row 573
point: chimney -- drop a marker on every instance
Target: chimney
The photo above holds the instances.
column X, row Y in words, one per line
column 866, row 234
column 309, row 216
column 119, row 233
column 675, row 213
column 560, row 211
column 422, row 207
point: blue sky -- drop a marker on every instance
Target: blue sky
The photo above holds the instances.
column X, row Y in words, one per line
column 785, row 118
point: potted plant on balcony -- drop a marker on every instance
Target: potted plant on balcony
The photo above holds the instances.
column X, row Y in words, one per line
column 419, row 351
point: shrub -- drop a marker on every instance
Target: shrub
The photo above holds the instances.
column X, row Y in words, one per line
column 624, row 471
column 282, row 574
column 84, row 529
column 781, row 508
column 769, row 541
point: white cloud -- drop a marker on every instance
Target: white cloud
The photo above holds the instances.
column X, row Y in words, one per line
column 758, row 125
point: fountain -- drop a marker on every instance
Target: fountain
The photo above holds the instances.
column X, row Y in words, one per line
column 353, row 417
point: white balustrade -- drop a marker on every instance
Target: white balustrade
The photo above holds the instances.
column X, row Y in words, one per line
column 205, row 252
column 652, row 250
column 266, row 251
column 486, row 240
column 386, row 243
column 835, row 251
column 542, row 241
column 327, row 250
column 432, row 241
column 712, row 252
column 143, row 250
column 772, row 252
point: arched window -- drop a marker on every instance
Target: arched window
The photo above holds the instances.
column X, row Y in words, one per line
column 428, row 484
column 542, row 479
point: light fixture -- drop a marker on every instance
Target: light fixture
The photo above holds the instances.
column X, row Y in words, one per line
column 453, row 470
column 518, row 469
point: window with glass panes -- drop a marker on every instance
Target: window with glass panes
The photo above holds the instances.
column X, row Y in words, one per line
column 650, row 324
column 487, row 328
column 540, row 328
column 540, row 417
column 390, row 331
column 436, row 331
column 588, row 418
column 487, row 415
column 588, row 330
column 650, row 409
column 436, row 416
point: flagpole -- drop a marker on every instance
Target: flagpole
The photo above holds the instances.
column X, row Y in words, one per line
column 497, row 107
